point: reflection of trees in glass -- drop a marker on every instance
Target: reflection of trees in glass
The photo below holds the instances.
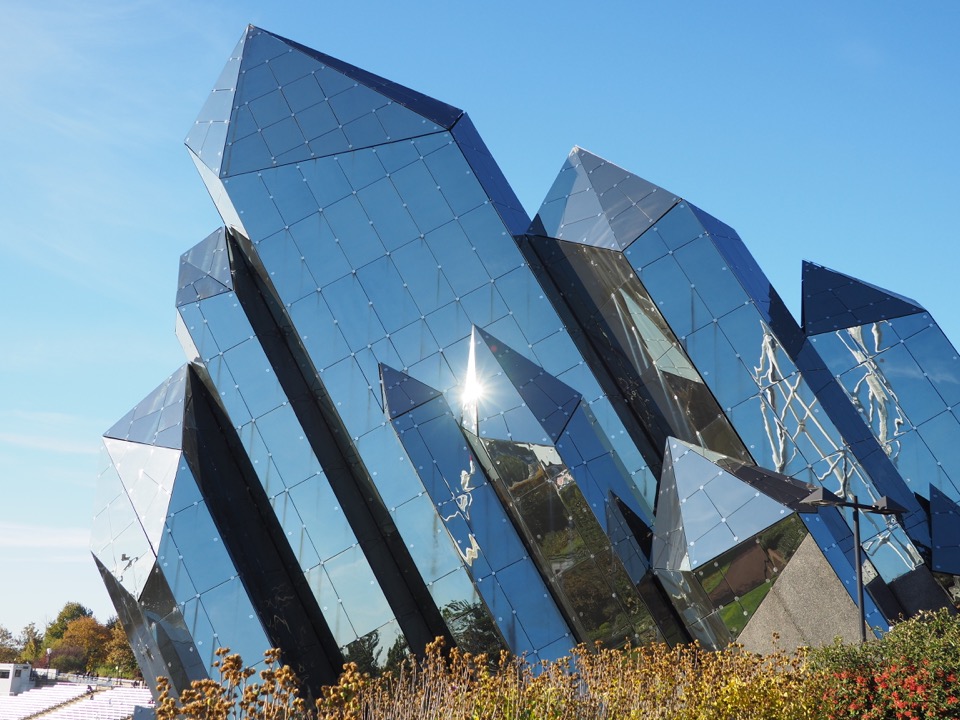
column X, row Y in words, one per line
column 472, row 627
column 365, row 652
column 738, row 580
column 571, row 547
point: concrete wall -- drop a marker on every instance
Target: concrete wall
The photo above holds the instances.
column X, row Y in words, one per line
column 806, row 606
column 14, row 678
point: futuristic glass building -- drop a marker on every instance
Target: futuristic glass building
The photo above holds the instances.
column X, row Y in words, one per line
column 409, row 411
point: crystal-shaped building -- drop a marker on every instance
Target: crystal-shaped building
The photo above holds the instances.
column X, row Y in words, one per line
column 409, row 411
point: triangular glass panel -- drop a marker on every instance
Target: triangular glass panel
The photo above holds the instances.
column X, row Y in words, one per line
column 402, row 393
column 131, row 427
column 597, row 203
column 431, row 109
column 147, row 474
column 785, row 490
column 288, row 103
column 208, row 134
column 205, row 269
column 550, row 400
column 833, row 301
column 715, row 509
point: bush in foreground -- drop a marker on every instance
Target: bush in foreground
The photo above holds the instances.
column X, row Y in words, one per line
column 910, row 673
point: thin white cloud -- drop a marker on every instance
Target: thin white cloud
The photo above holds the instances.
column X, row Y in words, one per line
column 27, row 536
column 49, row 443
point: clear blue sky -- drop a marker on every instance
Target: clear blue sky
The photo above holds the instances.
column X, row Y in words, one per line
column 820, row 131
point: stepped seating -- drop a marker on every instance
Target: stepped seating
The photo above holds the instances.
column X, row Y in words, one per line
column 113, row 704
column 38, row 700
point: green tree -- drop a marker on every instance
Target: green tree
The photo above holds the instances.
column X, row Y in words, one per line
column 30, row 641
column 119, row 653
column 56, row 629
column 8, row 646
column 92, row 638
column 67, row 658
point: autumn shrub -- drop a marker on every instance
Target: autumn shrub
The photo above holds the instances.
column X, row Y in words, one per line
column 684, row 683
column 911, row 673
column 234, row 695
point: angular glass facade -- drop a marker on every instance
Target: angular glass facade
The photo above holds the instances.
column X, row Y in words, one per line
column 409, row 411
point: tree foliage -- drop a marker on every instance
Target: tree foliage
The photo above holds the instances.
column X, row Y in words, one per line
column 91, row 637
column 119, row 653
column 8, row 646
column 30, row 642
column 71, row 611
column 74, row 642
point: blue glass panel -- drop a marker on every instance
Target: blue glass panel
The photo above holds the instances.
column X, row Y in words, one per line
column 289, row 192
column 398, row 122
column 351, row 307
column 422, row 197
column 528, row 305
column 484, row 305
column 326, row 181
column 242, row 125
column 259, row 386
column 915, row 394
column 365, row 131
column 455, row 178
column 917, row 465
column 423, row 276
column 349, row 388
column 321, row 514
column 426, row 539
column 284, row 139
column 234, row 622
column 522, row 580
column 290, row 66
column 390, row 219
column 504, row 616
column 394, row 156
column 357, row 590
column 291, row 451
column 455, row 255
column 333, row 610
column 204, row 555
column 295, row 531
column 448, row 324
column 709, row 274
column 333, row 82
column 415, row 341
column 270, row 107
column 720, row 365
column 351, row 225
column 939, row 361
column 388, row 464
column 318, row 248
column 943, row 431
column 361, row 167
column 670, row 289
column 251, row 198
column 288, row 268
column 255, row 80
column 678, row 227
column 434, row 371
column 354, row 102
column 496, row 247
column 391, row 302
column 302, row 92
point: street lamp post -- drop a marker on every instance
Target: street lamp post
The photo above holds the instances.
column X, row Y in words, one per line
column 883, row 506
